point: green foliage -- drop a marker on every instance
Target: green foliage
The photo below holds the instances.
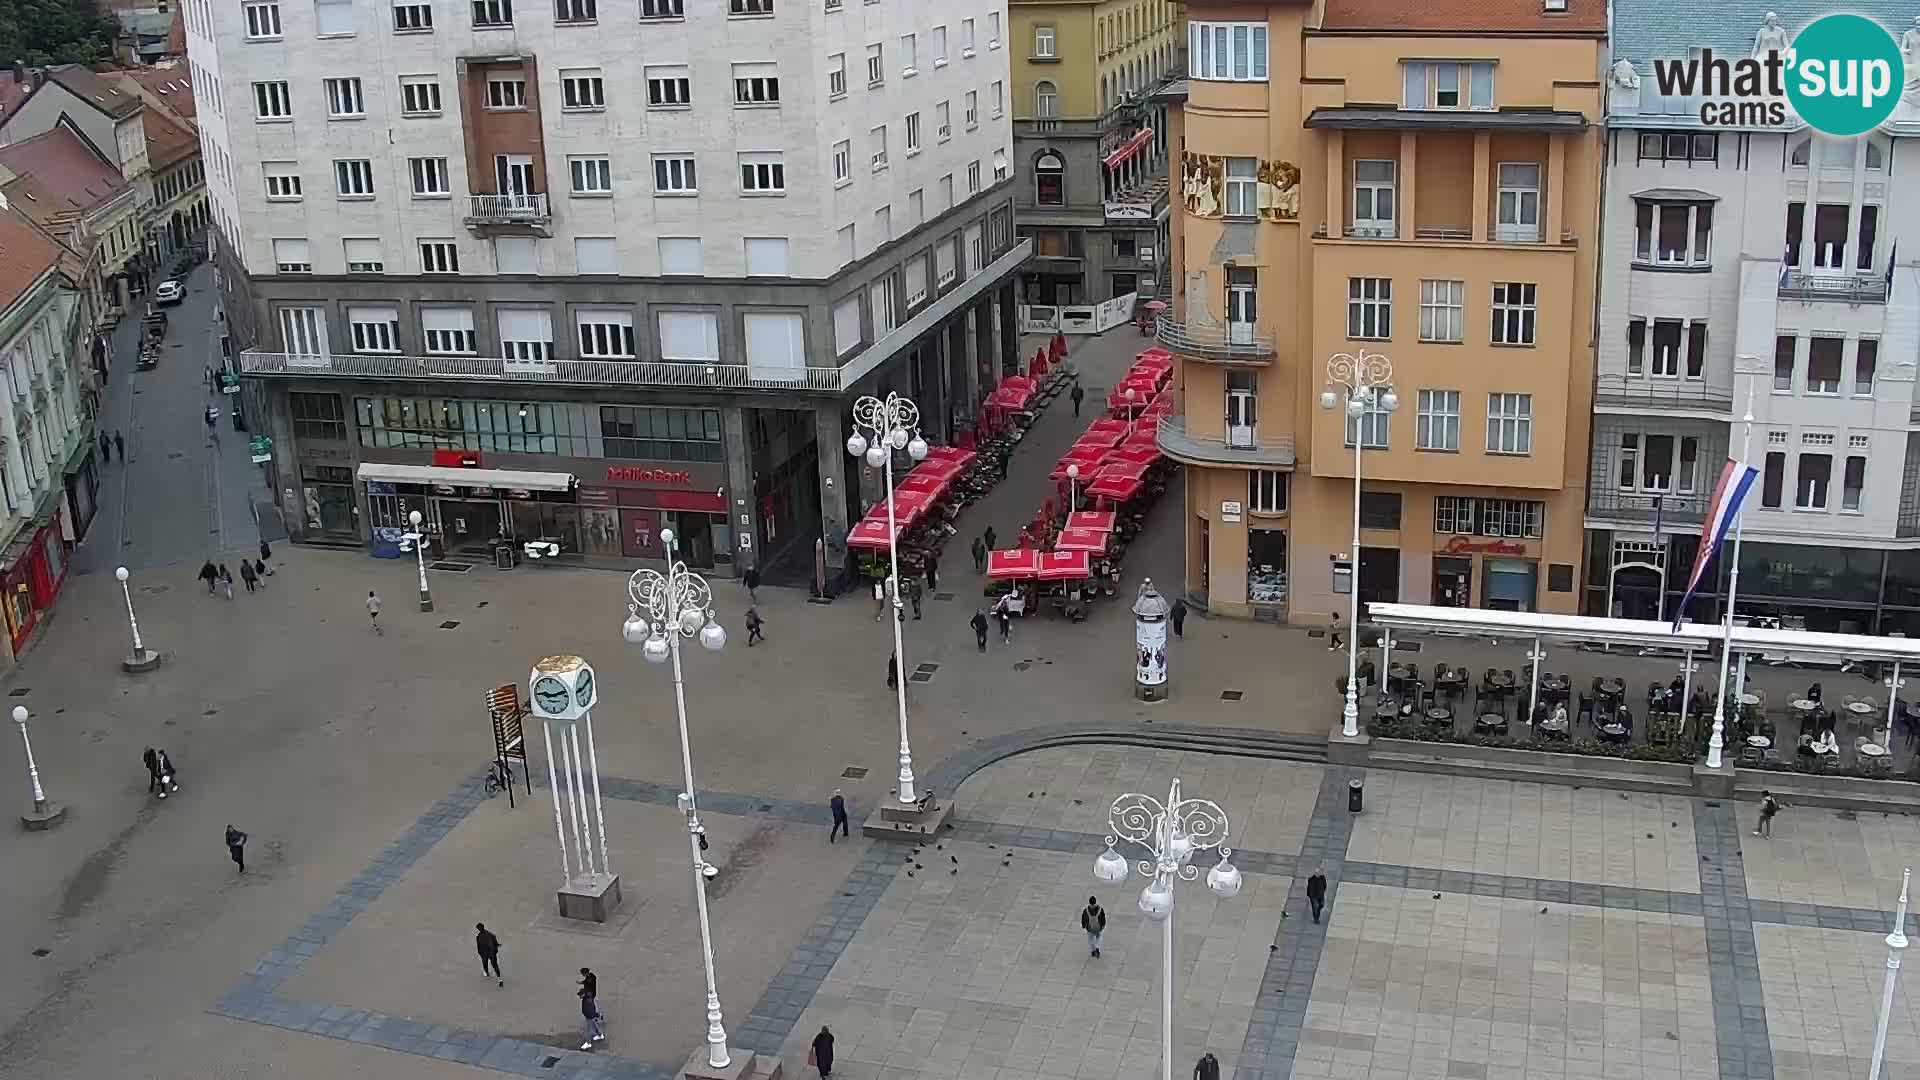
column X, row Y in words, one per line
column 38, row 32
column 1414, row 731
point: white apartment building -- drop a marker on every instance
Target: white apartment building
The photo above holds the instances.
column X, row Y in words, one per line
column 1754, row 268
column 611, row 240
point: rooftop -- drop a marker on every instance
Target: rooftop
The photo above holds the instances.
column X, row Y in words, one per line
column 170, row 83
column 1646, row 30
column 1582, row 17
column 26, row 253
column 167, row 142
column 55, row 173
column 96, row 89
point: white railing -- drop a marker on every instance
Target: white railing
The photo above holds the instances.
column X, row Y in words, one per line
column 579, row 372
column 507, row 208
column 1214, row 341
column 1263, row 449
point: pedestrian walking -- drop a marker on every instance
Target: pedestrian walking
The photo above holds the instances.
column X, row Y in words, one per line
column 979, row 556
column 373, row 611
column 266, row 553
column 595, row 1028
column 879, row 598
column 751, row 579
column 979, row 624
column 1003, row 611
column 754, row 627
column 120, row 447
column 893, row 670
column 489, row 948
column 914, row 592
column 1078, row 395
column 589, row 983
column 838, row 804
column 226, row 581
column 1094, row 921
column 237, row 847
column 169, row 777
column 247, row 576
column 210, row 575
column 1769, row 806
column 988, row 536
column 933, row 573
column 1179, row 616
column 820, row 1055
column 1334, row 640
column 260, row 572
column 106, row 448
column 1317, row 891
column 151, row 760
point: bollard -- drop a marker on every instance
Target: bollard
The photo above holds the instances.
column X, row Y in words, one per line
column 1355, row 797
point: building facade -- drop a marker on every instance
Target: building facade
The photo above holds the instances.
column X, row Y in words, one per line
column 1754, row 269
column 1383, row 178
column 1090, row 144
column 180, row 209
column 632, row 264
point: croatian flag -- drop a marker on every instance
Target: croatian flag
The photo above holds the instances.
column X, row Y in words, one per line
column 1729, row 493
column 1891, row 257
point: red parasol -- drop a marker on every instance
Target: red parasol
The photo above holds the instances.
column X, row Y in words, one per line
column 869, row 534
column 1094, row 520
column 950, row 454
column 1092, row 540
column 1103, row 439
column 907, row 508
column 1125, row 469
column 1008, row 565
column 916, row 482
column 938, row 470
column 1136, row 454
column 1106, row 425
column 1118, row 487
column 1065, row 566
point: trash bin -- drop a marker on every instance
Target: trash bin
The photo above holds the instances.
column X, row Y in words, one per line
column 503, row 555
column 1355, row 797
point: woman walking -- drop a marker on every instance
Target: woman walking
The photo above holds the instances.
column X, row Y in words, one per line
column 821, row 1055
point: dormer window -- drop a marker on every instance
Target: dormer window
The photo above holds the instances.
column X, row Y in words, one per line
column 1448, row 85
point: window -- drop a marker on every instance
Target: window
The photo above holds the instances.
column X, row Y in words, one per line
column 846, row 325
column 439, row 257
column 1518, row 207
column 909, row 55
column 1816, row 438
column 526, row 334
column 1438, row 424
column 1043, row 43
column 283, row 180
column 1232, row 52
column 1773, row 480
column 939, row 46
column 448, row 331
column 1783, row 363
column 1680, row 146
column 1266, row 491
column 682, row 255
column 972, row 115
column 1046, row 100
column 596, row 255
column 1852, row 481
column 1672, row 234
column 913, row 133
column 973, row 177
column 332, row 18
column 944, row 268
column 661, row 434
column 877, row 144
column 1380, row 510
column 1866, row 358
column 883, row 225
column 506, row 92
column 1513, row 313
column 374, row 329
column 576, row 11
column 317, row 416
column 946, row 192
column 1869, row 224
column 1816, row 472
column 755, row 84
column 976, row 251
column 880, row 303
column 916, row 207
column 1242, row 187
column 271, row 101
column 515, row 255
column 303, row 330
column 966, row 39
column 1372, row 424
column 410, row 16
column 916, row 279
column 673, row 174
column 1447, row 85
column 844, row 237
column 669, row 87
column 876, row 66
column 689, row 335
column 590, row 175
column 997, row 97
column 776, row 345
column 1857, row 442
column 1443, row 311
column 943, row 121
column 582, row 89
column 492, row 13
column 429, row 177
column 1823, row 365
column 292, row 257
column 263, row 20
column 661, row 9
column 353, row 178
column 1830, row 235
column 749, row 7
column 762, row 173
column 843, row 162
column 1876, row 157
column 767, row 256
column 363, row 255
column 837, row 75
column 1509, row 423
column 1370, row 308
column 419, row 95
column 1373, row 198
column 605, row 333
column 1050, row 180
column 993, row 30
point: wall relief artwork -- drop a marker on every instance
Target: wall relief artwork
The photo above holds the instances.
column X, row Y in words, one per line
column 1276, row 194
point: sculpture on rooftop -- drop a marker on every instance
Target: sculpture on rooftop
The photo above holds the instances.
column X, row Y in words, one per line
column 1772, row 36
column 1624, row 75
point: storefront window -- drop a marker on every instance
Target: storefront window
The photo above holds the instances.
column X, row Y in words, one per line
column 1804, row 573
column 453, row 424
column 1266, row 566
column 1511, row 584
column 317, row 416
column 660, row 434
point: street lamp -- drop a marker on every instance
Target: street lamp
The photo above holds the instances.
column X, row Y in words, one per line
column 894, row 425
column 45, row 812
column 662, row 609
column 1073, row 488
column 1171, row 832
column 418, row 538
column 1896, row 944
column 1130, row 396
column 141, row 658
column 1367, row 380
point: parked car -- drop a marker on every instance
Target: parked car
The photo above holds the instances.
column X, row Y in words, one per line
column 169, row 292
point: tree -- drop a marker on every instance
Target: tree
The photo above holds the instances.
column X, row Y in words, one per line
column 56, row 32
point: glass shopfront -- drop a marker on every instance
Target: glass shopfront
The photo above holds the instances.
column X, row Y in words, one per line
column 327, row 501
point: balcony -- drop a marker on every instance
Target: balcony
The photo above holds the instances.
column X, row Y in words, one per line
column 1637, row 393
column 1440, row 234
column 1644, row 508
column 1261, row 451
column 1839, row 288
column 1237, row 343
column 492, row 369
column 485, row 211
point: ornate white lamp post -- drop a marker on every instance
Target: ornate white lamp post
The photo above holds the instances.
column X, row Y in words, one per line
column 418, row 538
column 1171, row 832
column 1130, row 396
column 1896, row 944
column 663, row 608
column 46, row 813
column 1073, row 488
column 1356, row 381
column 883, row 427
column 141, row 658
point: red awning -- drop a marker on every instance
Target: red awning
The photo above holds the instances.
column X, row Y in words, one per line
column 919, row 483
column 1119, row 487
column 1095, row 520
column 1129, row 148
column 869, row 534
column 952, row 455
column 1136, row 454
column 1080, row 540
column 1089, row 465
column 1118, row 427
column 1065, row 566
column 1017, row 563
column 1155, row 352
column 1102, row 438
column 907, row 508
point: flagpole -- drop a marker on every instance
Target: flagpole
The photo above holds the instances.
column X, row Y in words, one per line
column 1718, row 741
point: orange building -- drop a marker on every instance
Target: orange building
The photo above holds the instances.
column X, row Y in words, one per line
column 1391, row 178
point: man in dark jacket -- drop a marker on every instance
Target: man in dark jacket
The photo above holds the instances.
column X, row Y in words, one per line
column 932, row 569
column 823, row 1052
column 489, row 949
column 1094, row 921
column 152, row 761
column 210, row 575
column 1317, row 891
column 979, row 624
column 838, row 804
column 1179, row 617
column 751, row 579
column 1078, row 395
column 237, row 847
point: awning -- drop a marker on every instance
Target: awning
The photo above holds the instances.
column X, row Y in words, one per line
column 951, row 454
column 871, row 535
column 1081, row 540
column 1097, row 520
column 923, row 484
column 513, row 479
column 1118, row 487
column 1065, row 566
column 1129, row 148
column 1013, row 563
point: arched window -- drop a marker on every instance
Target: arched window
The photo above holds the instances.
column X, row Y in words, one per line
column 1049, row 179
column 1876, row 155
column 1802, row 152
column 1046, row 101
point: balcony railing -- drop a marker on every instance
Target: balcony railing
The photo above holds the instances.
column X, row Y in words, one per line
column 1841, row 288
column 1442, row 232
column 1460, row 234
column 1254, row 448
column 507, row 209
column 573, row 372
column 1647, row 507
column 1641, row 392
column 1239, row 343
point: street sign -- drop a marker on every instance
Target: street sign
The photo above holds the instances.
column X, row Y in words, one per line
column 229, row 382
column 261, row 447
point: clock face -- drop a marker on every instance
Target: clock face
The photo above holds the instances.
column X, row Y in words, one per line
column 583, row 689
column 551, row 696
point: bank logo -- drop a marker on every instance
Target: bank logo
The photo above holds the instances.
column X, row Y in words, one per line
column 1842, row 74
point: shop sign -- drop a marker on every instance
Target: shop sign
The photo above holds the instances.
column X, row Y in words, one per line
column 1461, row 545
column 640, row 474
column 594, row 496
column 456, row 459
column 261, row 448
column 1129, row 211
column 1230, row 511
column 323, row 453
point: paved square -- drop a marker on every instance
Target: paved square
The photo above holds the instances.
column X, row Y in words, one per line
column 1823, row 995
column 1832, row 857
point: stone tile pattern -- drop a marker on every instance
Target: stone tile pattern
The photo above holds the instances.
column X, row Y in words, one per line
column 1823, row 995
column 1739, row 1003
column 1831, row 857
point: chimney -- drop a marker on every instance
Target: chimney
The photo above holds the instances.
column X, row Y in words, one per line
column 39, row 77
column 19, row 72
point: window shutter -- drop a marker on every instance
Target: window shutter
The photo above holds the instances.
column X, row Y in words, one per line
column 776, row 346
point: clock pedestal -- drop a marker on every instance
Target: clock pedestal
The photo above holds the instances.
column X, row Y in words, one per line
column 591, row 897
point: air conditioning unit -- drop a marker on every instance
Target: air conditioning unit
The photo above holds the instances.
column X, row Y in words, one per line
column 541, row 549
column 1554, row 5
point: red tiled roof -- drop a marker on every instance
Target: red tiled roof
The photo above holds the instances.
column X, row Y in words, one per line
column 170, row 84
column 95, row 89
column 56, row 172
column 1466, row 16
column 12, row 93
column 167, row 142
column 177, row 33
column 26, row 253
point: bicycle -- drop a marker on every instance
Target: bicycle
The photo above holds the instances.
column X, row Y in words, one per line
column 499, row 778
